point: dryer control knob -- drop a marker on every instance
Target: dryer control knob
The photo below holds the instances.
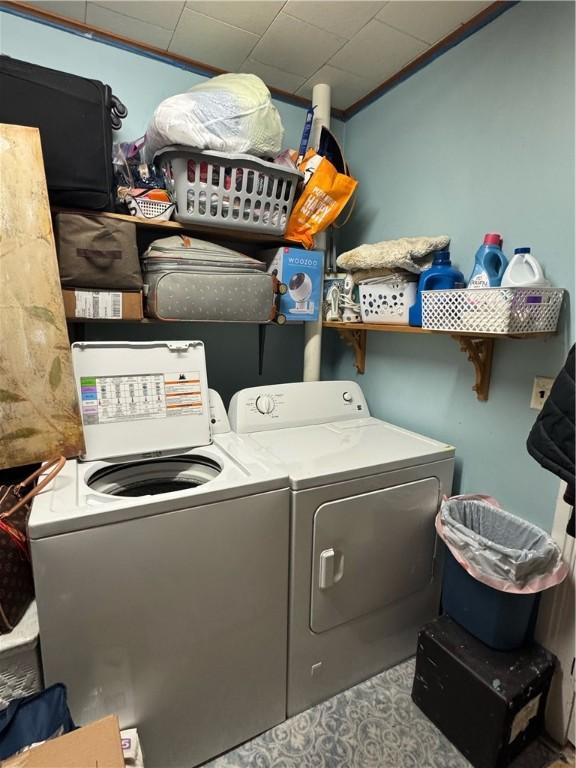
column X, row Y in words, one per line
column 265, row 404
column 347, row 397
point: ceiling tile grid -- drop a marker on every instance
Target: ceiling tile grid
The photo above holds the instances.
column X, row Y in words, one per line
column 296, row 46
column 290, row 44
column 102, row 16
column 211, row 41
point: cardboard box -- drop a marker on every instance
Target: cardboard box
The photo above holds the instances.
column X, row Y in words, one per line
column 94, row 746
column 301, row 272
column 102, row 305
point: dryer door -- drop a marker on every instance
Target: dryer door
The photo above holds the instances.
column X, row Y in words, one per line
column 371, row 550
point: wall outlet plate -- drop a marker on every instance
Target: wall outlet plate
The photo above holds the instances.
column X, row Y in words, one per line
column 540, row 391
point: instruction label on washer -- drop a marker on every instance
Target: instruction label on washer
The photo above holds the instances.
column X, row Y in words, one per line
column 108, row 399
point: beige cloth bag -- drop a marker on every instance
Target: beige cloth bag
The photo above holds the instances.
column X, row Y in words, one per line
column 97, row 252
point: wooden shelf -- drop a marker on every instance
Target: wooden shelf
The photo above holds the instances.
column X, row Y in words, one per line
column 109, row 320
column 479, row 347
column 382, row 327
column 174, row 227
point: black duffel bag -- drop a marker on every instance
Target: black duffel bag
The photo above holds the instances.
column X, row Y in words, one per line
column 75, row 116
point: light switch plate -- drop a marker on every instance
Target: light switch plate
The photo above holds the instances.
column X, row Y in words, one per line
column 540, row 391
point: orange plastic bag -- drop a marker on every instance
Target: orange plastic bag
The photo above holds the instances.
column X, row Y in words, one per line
column 324, row 196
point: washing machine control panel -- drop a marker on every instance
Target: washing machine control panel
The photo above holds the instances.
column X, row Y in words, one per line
column 281, row 406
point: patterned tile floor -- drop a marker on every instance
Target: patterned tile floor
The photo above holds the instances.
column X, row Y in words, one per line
column 373, row 725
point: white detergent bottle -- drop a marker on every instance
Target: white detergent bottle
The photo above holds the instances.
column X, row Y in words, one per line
column 523, row 271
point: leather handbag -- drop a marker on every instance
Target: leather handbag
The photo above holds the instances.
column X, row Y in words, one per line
column 16, row 583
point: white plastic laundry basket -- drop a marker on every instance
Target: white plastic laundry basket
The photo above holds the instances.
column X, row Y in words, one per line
column 492, row 310
column 227, row 190
column 20, row 672
column 387, row 300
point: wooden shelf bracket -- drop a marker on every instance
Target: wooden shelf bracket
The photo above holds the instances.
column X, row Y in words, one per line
column 480, row 353
column 356, row 338
column 479, row 347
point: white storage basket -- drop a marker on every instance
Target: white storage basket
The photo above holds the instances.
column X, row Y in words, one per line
column 492, row 310
column 149, row 209
column 387, row 300
column 226, row 190
column 20, row 672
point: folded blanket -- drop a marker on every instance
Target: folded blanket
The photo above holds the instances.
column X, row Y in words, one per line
column 411, row 253
column 367, row 274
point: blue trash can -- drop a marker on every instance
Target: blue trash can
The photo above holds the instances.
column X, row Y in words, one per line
column 501, row 620
column 508, row 562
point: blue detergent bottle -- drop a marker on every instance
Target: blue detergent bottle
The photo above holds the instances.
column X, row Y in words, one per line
column 490, row 263
column 440, row 275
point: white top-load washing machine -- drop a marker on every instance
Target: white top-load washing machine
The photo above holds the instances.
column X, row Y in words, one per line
column 364, row 494
column 162, row 573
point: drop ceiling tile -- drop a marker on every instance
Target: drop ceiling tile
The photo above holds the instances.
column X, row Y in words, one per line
column 377, row 51
column 161, row 13
column 273, row 77
column 346, row 87
column 73, row 9
column 124, row 25
column 295, row 46
column 429, row 21
column 253, row 16
column 340, row 18
column 211, row 42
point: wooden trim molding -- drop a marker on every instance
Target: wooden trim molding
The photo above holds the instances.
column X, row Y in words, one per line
column 105, row 36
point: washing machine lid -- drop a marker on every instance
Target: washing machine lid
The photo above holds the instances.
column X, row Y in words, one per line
column 141, row 397
column 327, row 453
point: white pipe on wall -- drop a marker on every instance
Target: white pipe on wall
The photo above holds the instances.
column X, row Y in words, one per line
column 313, row 331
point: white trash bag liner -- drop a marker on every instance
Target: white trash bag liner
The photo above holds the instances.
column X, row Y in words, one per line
column 228, row 113
column 497, row 548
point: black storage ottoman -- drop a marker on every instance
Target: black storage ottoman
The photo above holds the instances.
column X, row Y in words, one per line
column 490, row 704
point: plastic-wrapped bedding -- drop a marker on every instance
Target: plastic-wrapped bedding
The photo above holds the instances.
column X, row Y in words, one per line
column 228, row 113
column 498, row 548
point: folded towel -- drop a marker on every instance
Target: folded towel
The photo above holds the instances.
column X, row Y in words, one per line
column 411, row 253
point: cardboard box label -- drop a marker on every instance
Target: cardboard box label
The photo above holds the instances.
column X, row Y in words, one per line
column 101, row 305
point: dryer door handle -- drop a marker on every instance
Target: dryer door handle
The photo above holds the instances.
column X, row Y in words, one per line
column 331, row 568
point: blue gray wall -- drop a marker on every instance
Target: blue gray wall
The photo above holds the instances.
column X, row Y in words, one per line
column 142, row 83
column 480, row 140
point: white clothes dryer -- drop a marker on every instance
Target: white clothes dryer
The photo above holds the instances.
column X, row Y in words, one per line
column 364, row 494
column 161, row 560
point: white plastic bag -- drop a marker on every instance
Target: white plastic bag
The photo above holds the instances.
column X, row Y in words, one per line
column 229, row 113
column 497, row 548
